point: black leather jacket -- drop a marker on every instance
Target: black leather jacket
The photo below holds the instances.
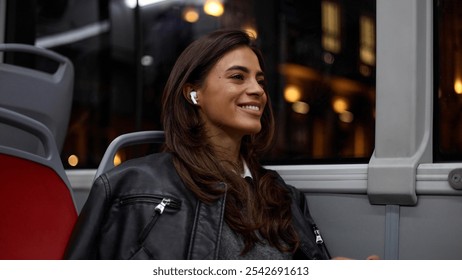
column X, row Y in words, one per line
column 142, row 210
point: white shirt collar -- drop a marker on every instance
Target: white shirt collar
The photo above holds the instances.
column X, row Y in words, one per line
column 246, row 170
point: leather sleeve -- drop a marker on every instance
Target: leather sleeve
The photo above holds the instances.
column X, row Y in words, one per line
column 84, row 239
column 300, row 200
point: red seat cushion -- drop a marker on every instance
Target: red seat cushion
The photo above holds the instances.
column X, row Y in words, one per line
column 37, row 213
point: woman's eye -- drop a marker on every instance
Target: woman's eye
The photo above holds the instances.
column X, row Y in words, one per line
column 238, row 77
column 262, row 83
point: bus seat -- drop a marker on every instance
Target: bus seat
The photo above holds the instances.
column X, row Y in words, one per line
column 37, row 210
column 125, row 140
column 43, row 96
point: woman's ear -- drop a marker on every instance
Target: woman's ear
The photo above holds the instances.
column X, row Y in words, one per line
column 190, row 93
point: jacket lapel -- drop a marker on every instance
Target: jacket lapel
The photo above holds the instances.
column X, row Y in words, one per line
column 206, row 232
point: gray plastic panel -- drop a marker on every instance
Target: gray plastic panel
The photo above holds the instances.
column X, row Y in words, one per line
column 46, row 97
column 431, row 230
column 129, row 139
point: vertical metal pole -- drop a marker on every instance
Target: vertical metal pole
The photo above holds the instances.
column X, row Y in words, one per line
column 138, row 68
column 2, row 20
column 2, row 24
column 392, row 232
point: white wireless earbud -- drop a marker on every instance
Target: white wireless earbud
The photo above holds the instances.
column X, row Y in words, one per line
column 193, row 95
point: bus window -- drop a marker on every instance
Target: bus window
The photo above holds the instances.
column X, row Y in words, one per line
column 448, row 81
column 320, row 60
column 326, row 99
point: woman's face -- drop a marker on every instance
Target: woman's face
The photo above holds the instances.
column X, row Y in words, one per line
column 232, row 98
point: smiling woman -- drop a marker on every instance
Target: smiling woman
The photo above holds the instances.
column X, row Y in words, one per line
column 232, row 98
column 210, row 196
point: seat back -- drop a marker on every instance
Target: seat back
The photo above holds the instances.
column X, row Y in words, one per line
column 125, row 140
column 37, row 211
column 46, row 97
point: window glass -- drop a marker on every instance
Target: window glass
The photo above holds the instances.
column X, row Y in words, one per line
column 320, row 60
column 327, row 91
column 448, row 81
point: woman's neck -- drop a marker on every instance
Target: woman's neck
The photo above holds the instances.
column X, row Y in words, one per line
column 227, row 148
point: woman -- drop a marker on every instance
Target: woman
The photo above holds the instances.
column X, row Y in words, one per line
column 206, row 196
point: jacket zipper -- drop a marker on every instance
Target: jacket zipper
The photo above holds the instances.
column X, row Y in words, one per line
column 174, row 203
column 320, row 241
column 161, row 204
column 317, row 233
column 158, row 210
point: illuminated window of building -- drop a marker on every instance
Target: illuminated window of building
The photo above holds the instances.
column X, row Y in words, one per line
column 448, row 80
column 330, row 26
column 367, row 40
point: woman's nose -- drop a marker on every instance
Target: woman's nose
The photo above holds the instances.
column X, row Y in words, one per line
column 256, row 88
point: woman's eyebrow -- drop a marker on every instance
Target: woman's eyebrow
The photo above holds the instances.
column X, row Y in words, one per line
column 244, row 69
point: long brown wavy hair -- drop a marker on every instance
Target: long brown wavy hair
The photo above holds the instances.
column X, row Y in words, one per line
column 263, row 208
